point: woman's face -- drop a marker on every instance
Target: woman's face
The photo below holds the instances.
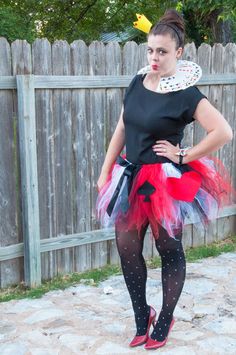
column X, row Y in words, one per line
column 162, row 54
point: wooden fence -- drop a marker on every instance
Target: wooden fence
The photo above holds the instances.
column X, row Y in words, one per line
column 59, row 106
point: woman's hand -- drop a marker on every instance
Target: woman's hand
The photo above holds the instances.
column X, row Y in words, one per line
column 102, row 180
column 166, row 149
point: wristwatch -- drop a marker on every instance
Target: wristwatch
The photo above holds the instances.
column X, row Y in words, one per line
column 182, row 153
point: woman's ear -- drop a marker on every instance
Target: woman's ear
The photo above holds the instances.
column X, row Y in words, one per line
column 179, row 52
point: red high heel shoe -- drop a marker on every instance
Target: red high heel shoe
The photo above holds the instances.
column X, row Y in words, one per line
column 141, row 339
column 154, row 344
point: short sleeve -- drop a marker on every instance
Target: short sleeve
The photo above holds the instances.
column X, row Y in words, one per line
column 193, row 97
column 129, row 88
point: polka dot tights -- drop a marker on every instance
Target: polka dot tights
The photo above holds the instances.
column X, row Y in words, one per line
column 130, row 247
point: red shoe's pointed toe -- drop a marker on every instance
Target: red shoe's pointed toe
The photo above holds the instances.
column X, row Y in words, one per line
column 138, row 340
column 154, row 344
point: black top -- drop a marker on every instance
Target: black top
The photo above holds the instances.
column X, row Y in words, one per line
column 150, row 116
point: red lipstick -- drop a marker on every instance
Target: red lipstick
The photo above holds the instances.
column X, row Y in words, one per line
column 155, row 67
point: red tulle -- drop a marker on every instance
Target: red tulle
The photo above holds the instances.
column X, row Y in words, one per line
column 216, row 180
column 184, row 188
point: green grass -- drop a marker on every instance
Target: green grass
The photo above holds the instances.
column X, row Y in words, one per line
column 201, row 252
column 93, row 277
column 61, row 282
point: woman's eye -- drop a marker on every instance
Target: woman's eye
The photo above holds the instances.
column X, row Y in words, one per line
column 160, row 51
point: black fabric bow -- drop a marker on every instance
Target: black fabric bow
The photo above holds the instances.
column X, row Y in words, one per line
column 129, row 172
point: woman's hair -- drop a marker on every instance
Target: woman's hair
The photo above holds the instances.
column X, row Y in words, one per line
column 173, row 24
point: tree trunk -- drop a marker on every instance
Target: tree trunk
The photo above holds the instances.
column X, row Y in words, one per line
column 227, row 33
column 221, row 30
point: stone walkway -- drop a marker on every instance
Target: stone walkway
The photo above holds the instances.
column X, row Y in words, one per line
column 98, row 320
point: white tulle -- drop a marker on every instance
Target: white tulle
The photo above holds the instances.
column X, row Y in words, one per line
column 170, row 170
column 188, row 212
column 105, row 196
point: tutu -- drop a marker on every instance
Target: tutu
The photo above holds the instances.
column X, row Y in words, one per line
column 164, row 194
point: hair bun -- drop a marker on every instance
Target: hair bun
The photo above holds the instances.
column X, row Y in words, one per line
column 171, row 23
column 173, row 17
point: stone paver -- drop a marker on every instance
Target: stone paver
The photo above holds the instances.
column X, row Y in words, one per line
column 99, row 320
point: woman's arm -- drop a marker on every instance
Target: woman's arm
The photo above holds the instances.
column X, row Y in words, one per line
column 218, row 130
column 115, row 147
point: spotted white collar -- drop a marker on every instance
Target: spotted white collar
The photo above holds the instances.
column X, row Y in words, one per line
column 187, row 74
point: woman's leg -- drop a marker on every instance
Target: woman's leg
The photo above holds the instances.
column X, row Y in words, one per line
column 173, row 277
column 130, row 247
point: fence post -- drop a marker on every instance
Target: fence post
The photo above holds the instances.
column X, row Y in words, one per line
column 29, row 178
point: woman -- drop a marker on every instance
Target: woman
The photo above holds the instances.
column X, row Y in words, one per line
column 159, row 184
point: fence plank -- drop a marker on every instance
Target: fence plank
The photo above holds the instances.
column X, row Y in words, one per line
column 189, row 54
column 228, row 105
column 114, row 101
column 130, row 58
column 29, row 178
column 11, row 252
column 204, row 60
column 21, row 57
column 72, row 240
column 97, row 114
column 229, row 110
column 142, row 55
column 81, row 153
column 7, row 82
column 103, row 81
column 9, row 270
column 114, row 96
column 42, row 65
column 187, row 237
column 63, row 144
column 21, row 64
column 82, row 81
column 215, row 95
column 233, row 121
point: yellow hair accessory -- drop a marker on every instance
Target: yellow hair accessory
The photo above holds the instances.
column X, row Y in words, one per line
column 143, row 24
